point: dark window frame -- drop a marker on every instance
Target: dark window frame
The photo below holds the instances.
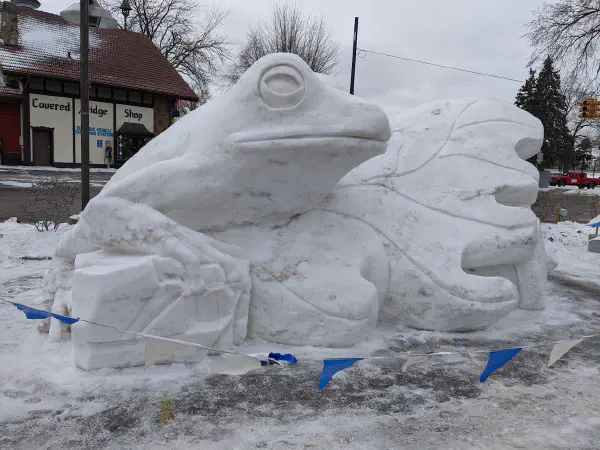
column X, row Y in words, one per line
column 63, row 93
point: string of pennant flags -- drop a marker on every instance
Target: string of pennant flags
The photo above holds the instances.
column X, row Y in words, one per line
column 156, row 347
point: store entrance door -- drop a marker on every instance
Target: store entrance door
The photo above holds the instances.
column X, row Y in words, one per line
column 131, row 137
column 42, row 147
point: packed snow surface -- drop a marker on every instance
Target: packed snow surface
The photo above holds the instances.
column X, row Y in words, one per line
column 46, row 403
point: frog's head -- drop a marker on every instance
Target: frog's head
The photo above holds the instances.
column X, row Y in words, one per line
column 283, row 105
column 288, row 135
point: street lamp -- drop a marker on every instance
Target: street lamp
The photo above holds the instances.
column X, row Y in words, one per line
column 125, row 9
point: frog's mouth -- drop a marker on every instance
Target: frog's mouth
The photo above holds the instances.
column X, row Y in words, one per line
column 325, row 143
column 371, row 135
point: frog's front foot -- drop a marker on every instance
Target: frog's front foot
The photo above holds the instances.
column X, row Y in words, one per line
column 153, row 276
column 57, row 283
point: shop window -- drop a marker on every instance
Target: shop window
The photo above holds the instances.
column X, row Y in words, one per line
column 120, row 95
column 135, row 97
column 36, row 83
column 93, row 91
column 147, row 99
column 72, row 88
column 103, row 92
column 53, row 85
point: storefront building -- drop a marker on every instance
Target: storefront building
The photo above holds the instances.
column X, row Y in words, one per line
column 133, row 95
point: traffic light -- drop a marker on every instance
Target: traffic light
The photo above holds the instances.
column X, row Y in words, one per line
column 589, row 109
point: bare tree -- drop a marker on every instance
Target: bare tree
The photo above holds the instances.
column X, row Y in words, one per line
column 568, row 31
column 288, row 30
column 186, row 34
column 53, row 199
column 575, row 91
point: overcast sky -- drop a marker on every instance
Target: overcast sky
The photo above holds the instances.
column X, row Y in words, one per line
column 478, row 35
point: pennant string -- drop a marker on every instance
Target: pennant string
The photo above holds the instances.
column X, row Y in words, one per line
column 160, row 338
column 497, row 358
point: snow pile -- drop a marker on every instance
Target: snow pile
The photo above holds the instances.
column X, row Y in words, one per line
column 571, row 190
column 566, row 235
column 21, row 184
column 20, row 241
column 569, row 243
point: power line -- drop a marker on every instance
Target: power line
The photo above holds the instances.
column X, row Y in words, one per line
column 364, row 51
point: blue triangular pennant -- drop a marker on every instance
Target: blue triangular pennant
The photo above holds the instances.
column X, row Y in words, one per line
column 33, row 313
column 333, row 366
column 497, row 359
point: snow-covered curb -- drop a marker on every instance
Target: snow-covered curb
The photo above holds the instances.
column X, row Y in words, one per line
column 54, row 169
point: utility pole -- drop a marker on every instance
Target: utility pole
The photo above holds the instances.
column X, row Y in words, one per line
column 84, row 93
column 352, row 74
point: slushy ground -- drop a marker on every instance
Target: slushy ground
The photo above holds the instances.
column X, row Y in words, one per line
column 47, row 403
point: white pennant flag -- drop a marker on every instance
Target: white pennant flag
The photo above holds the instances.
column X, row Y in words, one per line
column 561, row 348
column 235, row 365
column 156, row 349
column 411, row 361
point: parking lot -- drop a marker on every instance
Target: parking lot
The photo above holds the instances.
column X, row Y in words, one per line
column 17, row 183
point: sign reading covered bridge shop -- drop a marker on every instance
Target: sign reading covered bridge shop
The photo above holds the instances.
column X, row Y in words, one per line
column 56, row 129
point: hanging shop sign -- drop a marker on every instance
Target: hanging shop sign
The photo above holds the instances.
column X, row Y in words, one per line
column 136, row 115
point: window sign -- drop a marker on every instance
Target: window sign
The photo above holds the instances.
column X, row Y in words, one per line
column 101, row 130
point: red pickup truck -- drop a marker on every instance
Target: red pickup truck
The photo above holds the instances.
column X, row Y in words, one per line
column 579, row 179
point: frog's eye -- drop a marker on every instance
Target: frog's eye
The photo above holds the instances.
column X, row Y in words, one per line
column 281, row 87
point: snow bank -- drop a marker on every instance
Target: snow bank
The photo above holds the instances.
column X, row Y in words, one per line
column 24, row 240
column 569, row 243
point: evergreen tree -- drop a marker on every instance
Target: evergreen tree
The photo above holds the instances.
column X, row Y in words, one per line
column 526, row 95
column 542, row 97
column 550, row 106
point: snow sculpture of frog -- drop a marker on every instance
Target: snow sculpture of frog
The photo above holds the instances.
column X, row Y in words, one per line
column 273, row 211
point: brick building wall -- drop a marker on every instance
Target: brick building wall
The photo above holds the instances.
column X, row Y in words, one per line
column 162, row 114
column 580, row 207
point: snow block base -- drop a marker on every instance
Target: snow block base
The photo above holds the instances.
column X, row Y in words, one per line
column 152, row 295
column 594, row 245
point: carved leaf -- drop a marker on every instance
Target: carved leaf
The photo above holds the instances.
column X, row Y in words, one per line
column 451, row 193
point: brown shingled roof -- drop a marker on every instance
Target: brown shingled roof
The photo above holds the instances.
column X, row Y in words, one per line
column 49, row 46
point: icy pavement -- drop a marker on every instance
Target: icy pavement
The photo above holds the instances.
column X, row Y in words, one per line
column 571, row 190
column 55, row 169
column 25, row 176
column 46, row 403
